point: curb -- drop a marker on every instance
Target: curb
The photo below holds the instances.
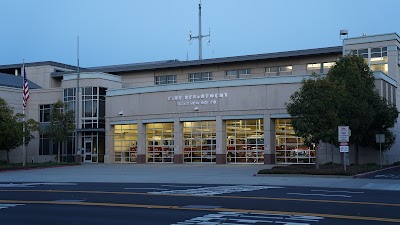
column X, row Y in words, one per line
column 375, row 171
column 283, row 175
column 34, row 168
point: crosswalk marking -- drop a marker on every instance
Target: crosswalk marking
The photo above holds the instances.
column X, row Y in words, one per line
column 208, row 191
column 236, row 218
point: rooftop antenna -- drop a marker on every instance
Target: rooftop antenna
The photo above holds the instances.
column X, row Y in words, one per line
column 200, row 37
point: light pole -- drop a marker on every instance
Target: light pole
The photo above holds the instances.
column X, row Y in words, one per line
column 77, row 105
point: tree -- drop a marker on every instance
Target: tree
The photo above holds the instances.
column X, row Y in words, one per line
column 346, row 96
column 385, row 118
column 314, row 110
column 361, row 107
column 62, row 125
column 11, row 128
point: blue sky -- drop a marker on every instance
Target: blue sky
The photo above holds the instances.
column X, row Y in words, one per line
column 130, row 31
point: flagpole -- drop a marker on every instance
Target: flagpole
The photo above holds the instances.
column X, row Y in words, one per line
column 77, row 105
column 23, row 112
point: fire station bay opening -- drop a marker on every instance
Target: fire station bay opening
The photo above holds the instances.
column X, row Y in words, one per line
column 244, row 142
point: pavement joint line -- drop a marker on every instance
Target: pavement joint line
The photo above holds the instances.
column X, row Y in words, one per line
column 214, row 196
column 364, row 218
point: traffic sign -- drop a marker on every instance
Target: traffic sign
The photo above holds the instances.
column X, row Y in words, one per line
column 343, row 133
column 380, row 138
column 344, row 130
column 344, row 148
column 344, row 143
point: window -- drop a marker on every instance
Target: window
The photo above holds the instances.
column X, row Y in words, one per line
column 102, row 102
column 271, row 71
column 69, row 98
column 361, row 52
column 328, row 65
column 44, row 113
column 285, row 70
column 195, row 77
column 314, row 68
column 238, row 73
column 167, row 79
column 379, row 59
column 89, row 102
column 44, row 145
column 278, row 70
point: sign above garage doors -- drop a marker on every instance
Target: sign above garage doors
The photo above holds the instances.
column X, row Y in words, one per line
column 197, row 99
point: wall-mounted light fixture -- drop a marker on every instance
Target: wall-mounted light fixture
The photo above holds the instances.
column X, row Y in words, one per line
column 121, row 113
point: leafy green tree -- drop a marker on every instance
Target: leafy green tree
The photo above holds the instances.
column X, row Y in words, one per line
column 61, row 126
column 314, row 110
column 361, row 107
column 385, row 118
column 11, row 128
column 346, row 96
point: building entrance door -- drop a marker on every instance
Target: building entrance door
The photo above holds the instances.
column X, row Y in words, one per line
column 90, row 152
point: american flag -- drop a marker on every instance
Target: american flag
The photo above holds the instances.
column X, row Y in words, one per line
column 25, row 89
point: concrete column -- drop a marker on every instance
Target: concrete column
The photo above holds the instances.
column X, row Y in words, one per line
column 393, row 62
column 269, row 140
column 221, row 140
column 178, row 141
column 109, row 144
column 141, row 147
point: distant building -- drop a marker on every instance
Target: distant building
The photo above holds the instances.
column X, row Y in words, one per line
column 223, row 110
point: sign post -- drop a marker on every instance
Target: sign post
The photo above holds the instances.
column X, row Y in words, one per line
column 343, row 136
column 380, row 138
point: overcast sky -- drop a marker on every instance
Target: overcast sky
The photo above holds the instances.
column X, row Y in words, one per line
column 130, row 31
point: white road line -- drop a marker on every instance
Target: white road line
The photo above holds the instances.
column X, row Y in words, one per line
column 350, row 192
column 29, row 185
column 344, row 196
column 4, row 206
column 158, row 189
column 167, row 185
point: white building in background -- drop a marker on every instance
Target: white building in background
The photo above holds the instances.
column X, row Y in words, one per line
column 223, row 110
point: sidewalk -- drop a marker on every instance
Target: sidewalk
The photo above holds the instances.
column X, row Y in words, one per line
column 190, row 174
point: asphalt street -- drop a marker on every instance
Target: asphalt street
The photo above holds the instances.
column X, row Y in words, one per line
column 171, row 203
column 392, row 173
column 191, row 194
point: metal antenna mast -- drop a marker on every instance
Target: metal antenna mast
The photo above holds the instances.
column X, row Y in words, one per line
column 200, row 37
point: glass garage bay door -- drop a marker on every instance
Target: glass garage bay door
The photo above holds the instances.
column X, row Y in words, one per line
column 160, row 142
column 291, row 149
column 199, row 141
column 125, row 143
column 245, row 141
